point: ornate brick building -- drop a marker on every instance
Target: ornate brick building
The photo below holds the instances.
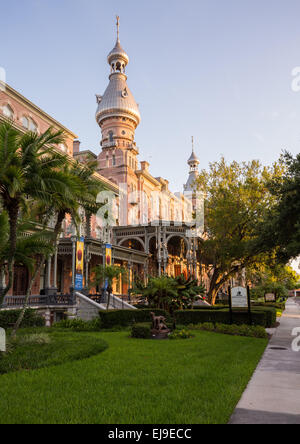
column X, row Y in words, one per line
column 151, row 229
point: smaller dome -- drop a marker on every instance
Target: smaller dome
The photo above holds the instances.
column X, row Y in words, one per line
column 116, row 53
column 193, row 158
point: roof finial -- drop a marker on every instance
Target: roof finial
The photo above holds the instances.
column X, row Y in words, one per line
column 118, row 28
column 193, row 143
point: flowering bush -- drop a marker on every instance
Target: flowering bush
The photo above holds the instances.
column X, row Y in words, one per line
column 181, row 334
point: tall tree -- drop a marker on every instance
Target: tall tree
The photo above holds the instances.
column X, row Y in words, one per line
column 29, row 168
column 237, row 198
column 281, row 230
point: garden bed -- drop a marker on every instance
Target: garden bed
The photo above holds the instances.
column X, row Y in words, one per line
column 44, row 348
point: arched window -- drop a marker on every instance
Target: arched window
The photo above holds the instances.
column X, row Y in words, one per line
column 114, row 160
column 25, row 122
column 32, row 126
column 111, row 136
column 8, row 112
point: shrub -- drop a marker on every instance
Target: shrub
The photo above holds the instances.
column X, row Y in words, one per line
column 35, row 351
column 270, row 312
column 141, row 331
column 37, row 338
column 234, row 330
column 240, row 317
column 8, row 318
column 206, row 326
column 125, row 318
column 180, row 334
column 210, row 307
column 79, row 325
column 278, row 305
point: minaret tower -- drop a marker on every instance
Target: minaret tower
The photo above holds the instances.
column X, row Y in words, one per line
column 193, row 162
column 118, row 117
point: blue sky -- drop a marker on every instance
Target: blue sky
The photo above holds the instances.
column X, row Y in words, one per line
column 219, row 70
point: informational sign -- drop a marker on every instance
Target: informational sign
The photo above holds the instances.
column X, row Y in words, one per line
column 239, row 297
column 79, row 265
column 2, row 340
column 108, row 255
column 270, row 297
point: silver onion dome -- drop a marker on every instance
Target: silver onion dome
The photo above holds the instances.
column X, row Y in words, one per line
column 118, row 101
column 118, row 53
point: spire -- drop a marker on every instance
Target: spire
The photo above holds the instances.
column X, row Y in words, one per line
column 118, row 58
column 193, row 162
column 118, row 29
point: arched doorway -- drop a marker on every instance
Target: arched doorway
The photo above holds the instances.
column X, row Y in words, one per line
column 177, row 251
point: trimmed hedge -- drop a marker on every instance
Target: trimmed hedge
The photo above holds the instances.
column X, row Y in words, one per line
column 125, row 318
column 141, row 331
column 8, row 318
column 277, row 305
column 271, row 314
column 250, row 331
column 187, row 317
column 211, row 307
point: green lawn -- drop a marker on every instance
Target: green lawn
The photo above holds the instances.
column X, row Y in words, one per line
column 50, row 347
column 193, row 381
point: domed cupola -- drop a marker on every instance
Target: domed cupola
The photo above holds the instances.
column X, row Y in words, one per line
column 117, row 100
column 193, row 162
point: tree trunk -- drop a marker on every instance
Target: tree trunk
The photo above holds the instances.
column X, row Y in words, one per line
column 13, row 213
column 109, row 291
column 25, row 306
column 57, row 229
column 213, row 288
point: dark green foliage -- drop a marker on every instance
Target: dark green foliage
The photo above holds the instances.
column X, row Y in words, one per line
column 47, row 348
column 79, row 325
column 250, row 331
column 281, row 229
column 211, row 307
column 240, row 317
column 124, row 318
column 277, row 305
column 31, row 318
column 271, row 315
column 141, row 331
column 170, row 293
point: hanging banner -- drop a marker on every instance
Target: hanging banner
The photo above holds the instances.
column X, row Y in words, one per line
column 79, row 265
column 108, row 255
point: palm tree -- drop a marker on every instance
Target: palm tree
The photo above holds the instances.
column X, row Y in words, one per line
column 29, row 168
column 171, row 293
column 31, row 243
column 107, row 274
column 188, row 291
column 160, row 292
column 31, row 252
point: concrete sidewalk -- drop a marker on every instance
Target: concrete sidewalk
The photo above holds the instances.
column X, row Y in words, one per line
column 273, row 394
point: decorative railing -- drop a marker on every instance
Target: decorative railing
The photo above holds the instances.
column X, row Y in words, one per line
column 40, row 300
